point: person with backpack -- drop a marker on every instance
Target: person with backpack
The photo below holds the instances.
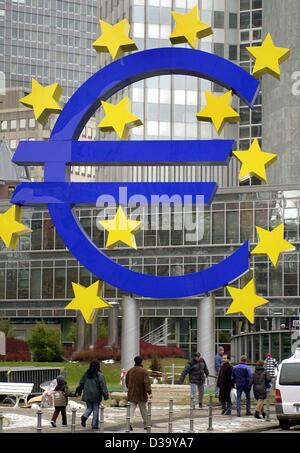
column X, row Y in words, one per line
column 261, row 382
column 241, row 375
column 197, row 371
column 60, row 400
column 93, row 388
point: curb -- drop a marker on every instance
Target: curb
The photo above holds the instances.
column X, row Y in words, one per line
column 260, row 429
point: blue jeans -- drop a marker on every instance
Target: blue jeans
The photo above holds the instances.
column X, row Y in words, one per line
column 238, row 400
column 200, row 388
column 92, row 406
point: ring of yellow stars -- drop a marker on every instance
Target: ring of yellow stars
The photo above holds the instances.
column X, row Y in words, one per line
column 189, row 28
column 88, row 300
column 11, row 227
column 268, row 58
column 119, row 118
column 120, row 229
column 218, row 110
column 245, row 301
column 272, row 243
column 44, row 100
column 115, row 39
column 254, row 162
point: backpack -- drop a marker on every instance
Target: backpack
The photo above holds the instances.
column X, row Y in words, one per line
column 59, row 398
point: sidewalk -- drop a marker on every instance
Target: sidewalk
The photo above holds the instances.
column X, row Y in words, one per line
column 25, row 420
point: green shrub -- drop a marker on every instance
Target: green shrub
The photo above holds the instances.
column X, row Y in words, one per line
column 6, row 327
column 45, row 343
column 155, row 364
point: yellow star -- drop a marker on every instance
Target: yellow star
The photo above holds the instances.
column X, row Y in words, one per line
column 218, row 110
column 119, row 118
column 189, row 28
column 245, row 301
column 11, row 227
column 268, row 58
column 44, row 100
column 254, row 162
column 115, row 39
column 88, row 300
column 272, row 243
column 120, row 229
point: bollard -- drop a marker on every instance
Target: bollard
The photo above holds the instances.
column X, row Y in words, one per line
column 268, row 411
column 39, row 421
column 73, row 421
column 1, row 422
column 171, row 416
column 192, row 407
column 128, row 419
column 101, row 418
column 210, row 414
column 149, row 417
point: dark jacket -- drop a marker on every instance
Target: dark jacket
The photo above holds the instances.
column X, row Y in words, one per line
column 225, row 382
column 260, row 380
column 93, row 386
column 197, row 370
column 61, row 392
column 138, row 384
column 241, row 374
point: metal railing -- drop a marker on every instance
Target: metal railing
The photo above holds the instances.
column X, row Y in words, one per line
column 158, row 336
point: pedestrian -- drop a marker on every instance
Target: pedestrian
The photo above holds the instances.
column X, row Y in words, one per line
column 271, row 366
column 60, row 400
column 218, row 364
column 261, row 382
column 197, row 371
column 241, row 375
column 225, row 385
column 139, row 389
column 93, row 388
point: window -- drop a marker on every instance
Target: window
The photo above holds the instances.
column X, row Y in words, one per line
column 13, row 144
column 232, row 52
column 233, row 20
column 245, row 20
column 290, row 374
column 23, row 124
column 4, row 126
column 219, row 19
column 31, row 123
column 256, row 4
column 256, row 19
column 13, row 125
column 245, row 4
column 219, row 49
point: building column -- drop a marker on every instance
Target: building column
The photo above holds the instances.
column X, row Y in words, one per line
column 206, row 339
column 94, row 331
column 113, row 324
column 80, row 332
column 130, row 346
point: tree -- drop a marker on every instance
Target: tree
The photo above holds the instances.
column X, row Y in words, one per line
column 6, row 327
column 45, row 343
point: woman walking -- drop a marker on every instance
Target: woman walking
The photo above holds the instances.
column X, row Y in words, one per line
column 225, row 384
column 261, row 381
column 93, row 386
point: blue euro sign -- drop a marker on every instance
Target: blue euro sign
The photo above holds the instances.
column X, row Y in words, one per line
column 63, row 149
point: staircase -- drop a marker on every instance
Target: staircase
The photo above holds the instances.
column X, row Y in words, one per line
column 158, row 336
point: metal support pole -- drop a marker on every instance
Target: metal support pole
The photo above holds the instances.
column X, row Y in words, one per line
column 1, row 422
column 128, row 419
column 170, row 416
column 101, row 418
column 39, row 421
column 268, row 411
column 73, row 421
column 192, row 407
column 173, row 374
column 149, row 417
column 210, row 414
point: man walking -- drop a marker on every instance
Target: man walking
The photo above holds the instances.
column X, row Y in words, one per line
column 139, row 389
column 241, row 375
column 225, row 385
column 197, row 370
column 271, row 365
